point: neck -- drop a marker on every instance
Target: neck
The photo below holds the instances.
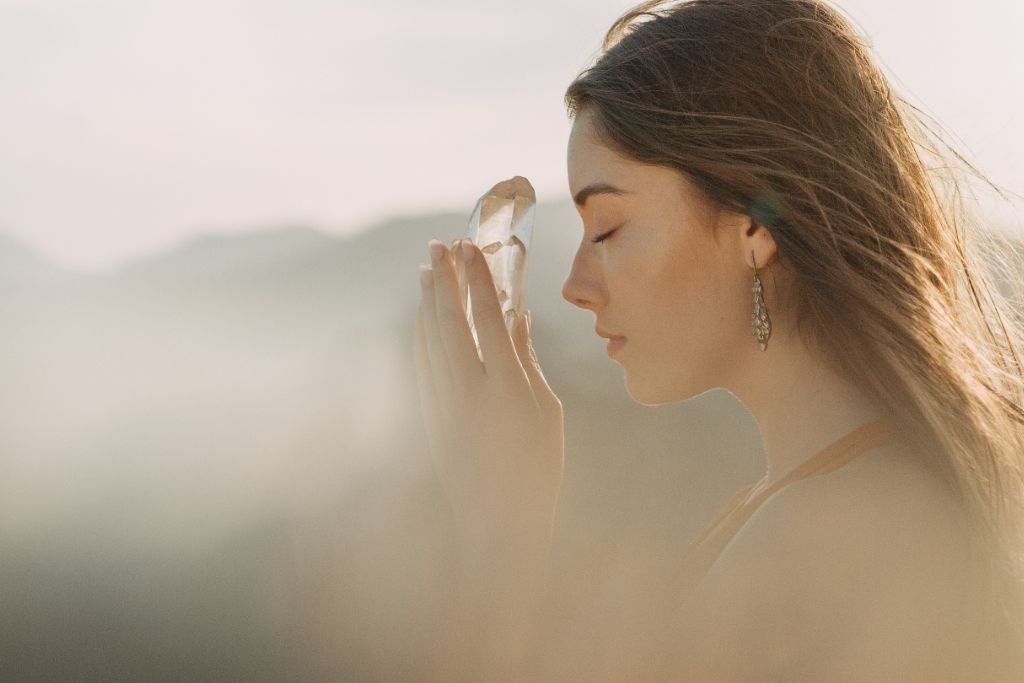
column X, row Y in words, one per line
column 800, row 404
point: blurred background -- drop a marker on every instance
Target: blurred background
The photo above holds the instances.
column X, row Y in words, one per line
column 212, row 463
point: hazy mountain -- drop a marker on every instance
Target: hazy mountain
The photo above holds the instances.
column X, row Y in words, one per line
column 221, row 257
column 22, row 268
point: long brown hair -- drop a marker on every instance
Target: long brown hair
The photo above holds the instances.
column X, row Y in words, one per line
column 775, row 108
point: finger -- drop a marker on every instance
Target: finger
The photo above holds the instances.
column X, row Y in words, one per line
column 463, row 361
column 520, row 344
column 436, row 356
column 430, row 409
column 546, row 398
column 495, row 342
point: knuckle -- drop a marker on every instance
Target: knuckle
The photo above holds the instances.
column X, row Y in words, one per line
column 448, row 310
column 488, row 315
column 480, row 277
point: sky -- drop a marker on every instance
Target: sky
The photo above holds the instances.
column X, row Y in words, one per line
column 127, row 126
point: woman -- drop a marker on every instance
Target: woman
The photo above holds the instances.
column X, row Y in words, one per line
column 759, row 217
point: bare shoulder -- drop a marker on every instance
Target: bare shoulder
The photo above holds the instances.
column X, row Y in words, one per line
column 861, row 570
column 880, row 541
column 883, row 513
column 884, row 503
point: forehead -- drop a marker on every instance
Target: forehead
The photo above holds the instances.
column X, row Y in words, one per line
column 590, row 159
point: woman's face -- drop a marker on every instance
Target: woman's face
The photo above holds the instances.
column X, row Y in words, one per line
column 671, row 278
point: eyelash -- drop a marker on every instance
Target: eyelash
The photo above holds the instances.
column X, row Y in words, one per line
column 603, row 237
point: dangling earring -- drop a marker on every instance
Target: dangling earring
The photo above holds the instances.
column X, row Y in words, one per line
column 762, row 326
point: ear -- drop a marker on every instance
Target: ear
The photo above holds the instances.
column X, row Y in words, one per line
column 759, row 247
column 753, row 241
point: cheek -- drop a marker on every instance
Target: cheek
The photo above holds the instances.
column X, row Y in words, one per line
column 690, row 304
column 680, row 273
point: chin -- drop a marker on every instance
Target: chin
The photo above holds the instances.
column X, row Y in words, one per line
column 656, row 391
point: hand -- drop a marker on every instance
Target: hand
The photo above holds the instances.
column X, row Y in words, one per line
column 495, row 428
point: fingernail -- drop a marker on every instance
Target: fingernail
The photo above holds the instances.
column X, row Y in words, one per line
column 467, row 251
column 426, row 276
column 436, row 250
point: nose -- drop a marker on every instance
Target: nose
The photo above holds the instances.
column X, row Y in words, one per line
column 582, row 287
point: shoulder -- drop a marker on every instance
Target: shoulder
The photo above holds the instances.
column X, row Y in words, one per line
column 868, row 561
column 885, row 525
column 884, row 512
column 884, row 503
column 883, row 542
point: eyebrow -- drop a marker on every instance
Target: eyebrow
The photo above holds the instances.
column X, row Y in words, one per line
column 596, row 188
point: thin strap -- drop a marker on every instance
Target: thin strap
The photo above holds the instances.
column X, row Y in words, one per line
column 705, row 549
column 869, row 435
column 734, row 503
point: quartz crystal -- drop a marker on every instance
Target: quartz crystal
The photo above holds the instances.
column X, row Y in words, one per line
column 501, row 226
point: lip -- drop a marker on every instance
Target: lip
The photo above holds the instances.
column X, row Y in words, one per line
column 615, row 341
column 607, row 335
column 615, row 344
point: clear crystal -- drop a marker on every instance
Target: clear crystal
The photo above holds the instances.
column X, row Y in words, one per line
column 501, row 226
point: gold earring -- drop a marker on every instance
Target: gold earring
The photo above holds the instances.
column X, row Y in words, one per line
column 761, row 324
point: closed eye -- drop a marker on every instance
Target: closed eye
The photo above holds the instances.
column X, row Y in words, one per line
column 602, row 237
